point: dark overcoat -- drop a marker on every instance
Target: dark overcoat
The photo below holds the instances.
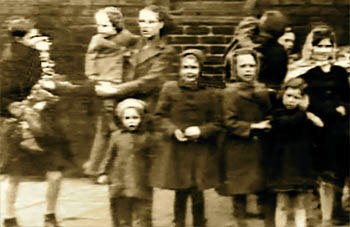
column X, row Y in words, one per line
column 127, row 164
column 327, row 91
column 243, row 104
column 289, row 157
column 180, row 165
column 19, row 70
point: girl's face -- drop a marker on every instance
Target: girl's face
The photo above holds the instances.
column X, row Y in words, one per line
column 246, row 68
column 190, row 69
column 131, row 119
column 149, row 23
column 292, row 98
column 323, row 50
column 104, row 25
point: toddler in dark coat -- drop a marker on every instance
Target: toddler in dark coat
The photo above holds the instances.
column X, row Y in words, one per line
column 289, row 157
column 127, row 164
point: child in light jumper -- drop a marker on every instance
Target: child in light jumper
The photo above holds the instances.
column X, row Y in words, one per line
column 104, row 63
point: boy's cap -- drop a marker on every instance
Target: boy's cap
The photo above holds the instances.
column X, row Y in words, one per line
column 130, row 103
column 196, row 52
column 18, row 23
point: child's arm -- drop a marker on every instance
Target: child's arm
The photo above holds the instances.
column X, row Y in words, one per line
column 162, row 112
column 236, row 126
column 109, row 156
column 315, row 119
column 146, row 84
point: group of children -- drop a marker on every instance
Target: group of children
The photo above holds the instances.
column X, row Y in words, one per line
column 249, row 138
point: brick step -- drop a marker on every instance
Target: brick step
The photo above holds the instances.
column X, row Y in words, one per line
column 209, row 8
column 205, row 20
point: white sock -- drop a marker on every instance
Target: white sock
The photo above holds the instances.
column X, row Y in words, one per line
column 54, row 180
column 327, row 200
column 281, row 213
column 300, row 217
column 10, row 194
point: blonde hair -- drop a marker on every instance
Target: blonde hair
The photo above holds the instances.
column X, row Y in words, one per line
column 231, row 62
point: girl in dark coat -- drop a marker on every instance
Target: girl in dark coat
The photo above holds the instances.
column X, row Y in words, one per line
column 127, row 164
column 328, row 88
column 245, row 106
column 189, row 118
column 289, row 157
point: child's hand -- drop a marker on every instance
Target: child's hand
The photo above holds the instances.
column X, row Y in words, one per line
column 103, row 89
column 103, row 179
column 192, row 132
column 179, row 135
column 304, row 103
column 341, row 110
column 315, row 120
column 47, row 84
column 261, row 125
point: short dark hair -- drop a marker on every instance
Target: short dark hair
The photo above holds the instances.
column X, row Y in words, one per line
column 322, row 32
column 295, row 83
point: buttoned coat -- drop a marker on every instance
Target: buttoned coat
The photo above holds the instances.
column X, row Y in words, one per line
column 243, row 104
column 127, row 163
column 180, row 165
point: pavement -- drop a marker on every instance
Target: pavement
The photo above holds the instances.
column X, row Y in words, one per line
column 83, row 204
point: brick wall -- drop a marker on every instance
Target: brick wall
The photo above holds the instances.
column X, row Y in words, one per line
column 207, row 25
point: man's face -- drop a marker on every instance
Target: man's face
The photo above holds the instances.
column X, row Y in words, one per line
column 292, row 98
column 323, row 50
column 104, row 25
column 149, row 24
column 246, row 68
column 131, row 119
column 189, row 69
column 287, row 40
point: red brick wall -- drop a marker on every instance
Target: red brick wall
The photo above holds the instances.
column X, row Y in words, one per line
column 207, row 25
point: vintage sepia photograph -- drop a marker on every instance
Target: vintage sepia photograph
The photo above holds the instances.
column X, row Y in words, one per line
column 174, row 113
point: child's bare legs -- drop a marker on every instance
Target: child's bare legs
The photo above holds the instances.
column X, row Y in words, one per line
column 54, row 180
column 300, row 210
column 281, row 213
column 11, row 184
column 326, row 199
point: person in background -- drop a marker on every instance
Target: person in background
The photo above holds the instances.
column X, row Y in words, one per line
column 188, row 116
column 104, row 62
column 287, row 40
column 274, row 59
column 150, row 64
column 127, row 167
column 328, row 89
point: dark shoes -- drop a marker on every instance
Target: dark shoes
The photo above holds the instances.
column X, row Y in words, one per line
column 51, row 221
column 10, row 222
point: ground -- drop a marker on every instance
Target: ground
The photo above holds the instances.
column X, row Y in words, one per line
column 83, row 204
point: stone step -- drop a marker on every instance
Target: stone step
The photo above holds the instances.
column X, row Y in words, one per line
column 209, row 8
